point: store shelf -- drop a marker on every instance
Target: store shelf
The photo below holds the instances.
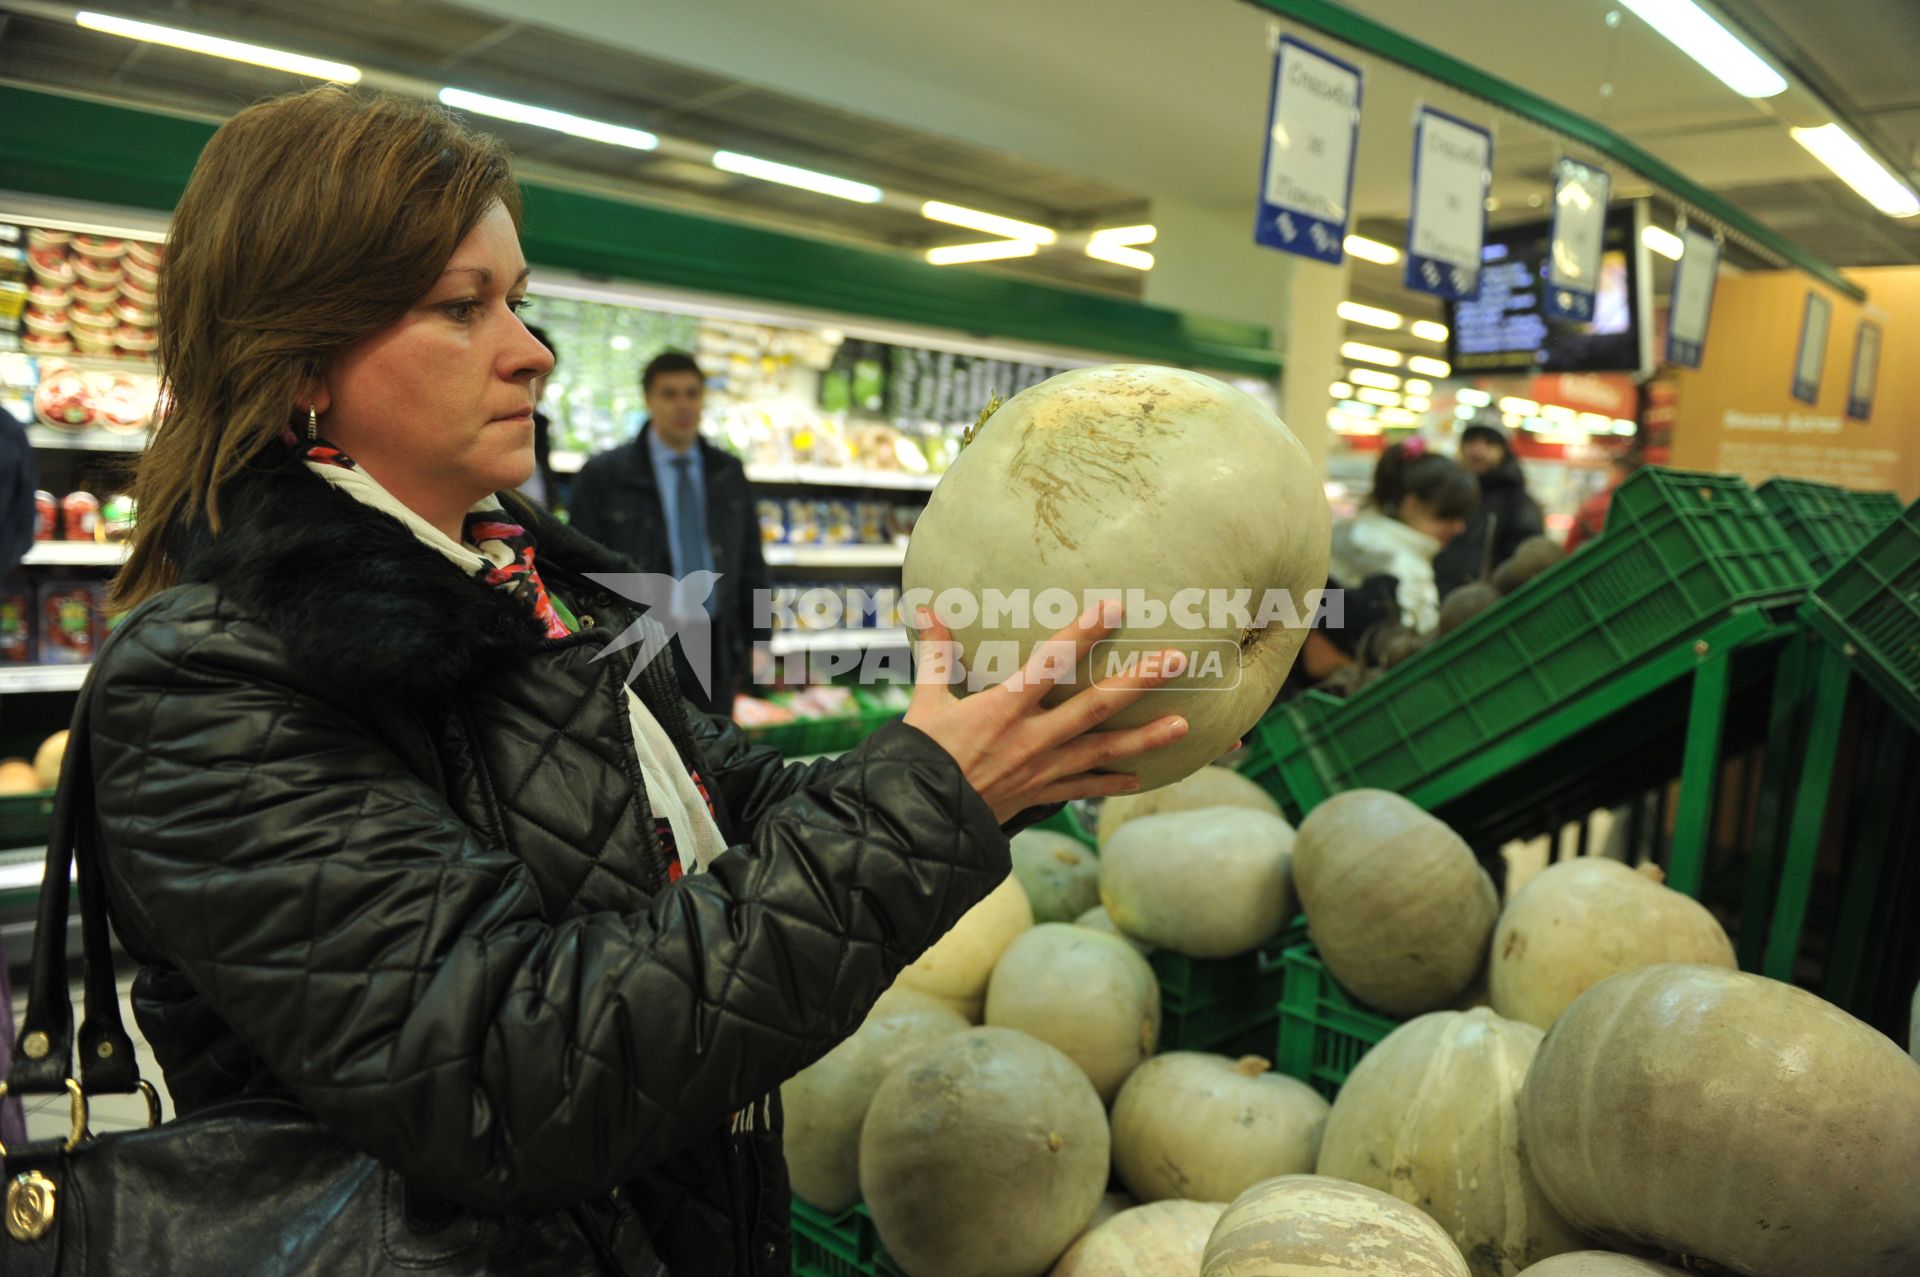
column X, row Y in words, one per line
column 835, row 556
column 86, row 440
column 838, row 640
column 23, row 869
column 76, row 554
column 43, row 678
column 828, row 476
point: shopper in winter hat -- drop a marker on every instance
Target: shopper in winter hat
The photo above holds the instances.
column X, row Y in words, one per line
column 1420, row 501
column 383, row 831
column 1506, row 516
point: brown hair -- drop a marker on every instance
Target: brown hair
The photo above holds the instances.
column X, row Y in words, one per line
column 311, row 222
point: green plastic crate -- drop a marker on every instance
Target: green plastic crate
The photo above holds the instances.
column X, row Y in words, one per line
column 25, row 820
column 844, row 1245
column 805, row 737
column 1826, row 523
column 1869, row 608
column 1681, row 551
column 1067, row 821
column 1322, row 1032
column 1190, row 985
column 1227, row 1030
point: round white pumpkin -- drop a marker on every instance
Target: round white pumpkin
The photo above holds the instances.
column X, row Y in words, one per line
column 1208, row 787
column 826, row 1102
column 48, row 758
column 1399, row 907
column 1582, row 920
column 1431, row 1115
column 1090, row 995
column 982, row 1156
column 1204, row 1127
column 1110, row 1205
column 1311, row 1226
column 1098, row 919
column 1599, row 1263
column 1160, row 1239
column 959, row 965
column 1210, row 883
column 1127, row 479
column 1698, row 1111
column 1059, row 874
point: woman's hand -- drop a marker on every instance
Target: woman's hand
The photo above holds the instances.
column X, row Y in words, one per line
column 1018, row 753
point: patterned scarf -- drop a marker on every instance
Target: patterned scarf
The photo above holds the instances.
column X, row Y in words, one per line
column 505, row 550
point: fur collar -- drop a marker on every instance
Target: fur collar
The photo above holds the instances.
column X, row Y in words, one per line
column 353, row 594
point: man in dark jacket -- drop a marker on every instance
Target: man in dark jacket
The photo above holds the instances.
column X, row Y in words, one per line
column 675, row 504
column 1507, row 515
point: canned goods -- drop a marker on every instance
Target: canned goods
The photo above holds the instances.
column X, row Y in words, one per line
column 116, row 517
column 80, row 516
column 46, row 514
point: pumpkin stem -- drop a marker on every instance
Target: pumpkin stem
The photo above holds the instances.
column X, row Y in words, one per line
column 993, row 405
column 1054, row 1142
column 1653, row 871
column 1250, row 1066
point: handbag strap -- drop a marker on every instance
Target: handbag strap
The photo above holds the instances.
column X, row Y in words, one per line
column 43, row 1053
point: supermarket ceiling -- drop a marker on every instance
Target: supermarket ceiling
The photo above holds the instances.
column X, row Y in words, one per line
column 1058, row 111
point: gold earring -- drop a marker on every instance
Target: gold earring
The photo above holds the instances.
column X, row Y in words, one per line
column 313, row 423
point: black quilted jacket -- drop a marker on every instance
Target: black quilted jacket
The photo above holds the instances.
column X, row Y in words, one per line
column 377, row 842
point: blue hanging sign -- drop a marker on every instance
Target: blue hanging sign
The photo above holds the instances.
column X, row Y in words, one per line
column 1313, row 131
column 1813, row 348
column 1452, row 168
column 1580, row 194
column 1866, row 371
column 1692, row 306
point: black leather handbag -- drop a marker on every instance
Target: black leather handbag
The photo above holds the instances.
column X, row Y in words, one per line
column 249, row 1187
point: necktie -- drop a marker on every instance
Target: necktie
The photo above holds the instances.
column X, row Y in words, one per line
column 690, row 527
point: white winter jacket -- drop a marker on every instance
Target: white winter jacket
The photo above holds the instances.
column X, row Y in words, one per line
column 1371, row 543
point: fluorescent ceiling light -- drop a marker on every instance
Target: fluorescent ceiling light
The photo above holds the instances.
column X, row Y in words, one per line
column 1369, row 354
column 1621, row 426
column 991, row 251
column 974, row 220
column 1119, row 255
column 1512, row 420
column 1465, row 411
column 1700, row 36
column 1385, row 398
column 788, row 175
column 1554, row 412
column 1521, row 407
column 1358, row 409
column 541, row 117
column 1836, row 148
column 1427, row 330
column 1372, row 250
column 1595, row 422
column 1125, row 235
column 1415, row 386
column 1431, row 367
column 1340, row 390
column 1473, row 397
column 1378, row 380
column 214, row 46
column 1398, row 417
column 1658, row 239
column 1418, row 403
column 1372, row 316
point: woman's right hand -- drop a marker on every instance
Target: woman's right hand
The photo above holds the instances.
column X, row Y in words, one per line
column 1019, row 753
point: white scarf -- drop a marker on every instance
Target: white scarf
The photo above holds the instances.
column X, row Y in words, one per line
column 670, row 790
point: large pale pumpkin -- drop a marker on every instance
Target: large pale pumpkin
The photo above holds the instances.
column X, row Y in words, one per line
column 1599, row 1263
column 1089, row 994
column 1704, row 1112
column 826, row 1102
column 1210, row 883
column 1582, row 920
column 1110, row 1205
column 1431, row 1115
column 956, row 970
column 1399, row 907
column 1098, row 919
column 1204, row 1127
column 1208, row 787
column 1160, row 1239
column 1059, row 874
column 1311, row 1226
column 982, row 1156
column 1130, row 479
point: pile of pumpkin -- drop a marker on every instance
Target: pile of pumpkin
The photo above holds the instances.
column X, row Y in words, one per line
column 1626, row 1088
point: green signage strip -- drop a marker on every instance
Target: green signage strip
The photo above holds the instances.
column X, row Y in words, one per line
column 119, row 155
column 1362, row 32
